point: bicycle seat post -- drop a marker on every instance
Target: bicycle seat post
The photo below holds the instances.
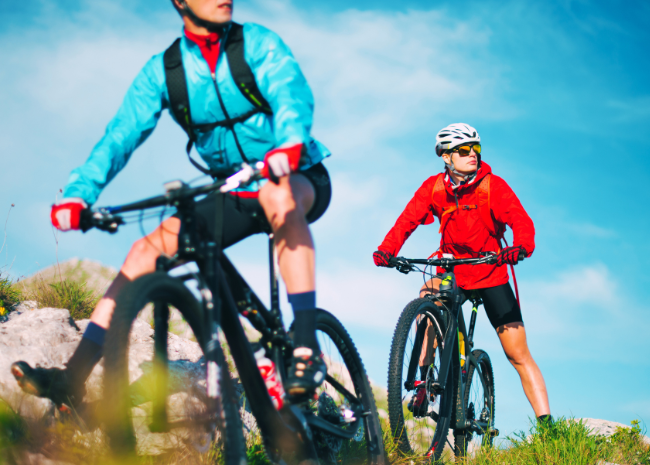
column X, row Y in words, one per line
column 273, row 275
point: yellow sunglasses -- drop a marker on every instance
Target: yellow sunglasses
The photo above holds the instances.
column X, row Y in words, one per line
column 464, row 150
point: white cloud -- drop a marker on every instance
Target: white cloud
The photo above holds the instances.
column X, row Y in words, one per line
column 583, row 311
column 383, row 75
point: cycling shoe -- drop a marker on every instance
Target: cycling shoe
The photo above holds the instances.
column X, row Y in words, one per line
column 307, row 372
column 419, row 403
column 51, row 383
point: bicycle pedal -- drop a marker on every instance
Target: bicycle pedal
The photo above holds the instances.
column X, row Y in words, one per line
column 493, row 432
column 65, row 409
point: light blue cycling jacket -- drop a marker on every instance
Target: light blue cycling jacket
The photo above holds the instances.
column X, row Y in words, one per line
column 278, row 77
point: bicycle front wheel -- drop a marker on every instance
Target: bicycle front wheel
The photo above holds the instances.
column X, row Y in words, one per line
column 479, row 405
column 419, row 417
column 169, row 403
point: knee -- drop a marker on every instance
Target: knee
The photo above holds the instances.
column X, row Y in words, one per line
column 280, row 206
column 519, row 356
column 141, row 257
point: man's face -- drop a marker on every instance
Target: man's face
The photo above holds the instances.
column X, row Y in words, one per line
column 215, row 11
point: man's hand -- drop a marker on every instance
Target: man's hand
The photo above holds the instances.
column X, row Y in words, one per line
column 67, row 213
column 281, row 161
column 511, row 255
column 381, row 258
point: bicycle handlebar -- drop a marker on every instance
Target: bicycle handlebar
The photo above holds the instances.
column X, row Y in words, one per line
column 108, row 218
column 405, row 265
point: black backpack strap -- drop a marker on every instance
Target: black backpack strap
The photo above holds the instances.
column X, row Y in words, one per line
column 179, row 101
column 242, row 74
column 241, row 71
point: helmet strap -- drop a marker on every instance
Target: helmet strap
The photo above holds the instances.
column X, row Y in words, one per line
column 200, row 22
column 466, row 177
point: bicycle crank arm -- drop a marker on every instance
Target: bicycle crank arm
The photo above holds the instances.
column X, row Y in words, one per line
column 324, row 425
column 159, row 427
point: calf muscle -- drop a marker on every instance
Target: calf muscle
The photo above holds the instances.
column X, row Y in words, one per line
column 140, row 261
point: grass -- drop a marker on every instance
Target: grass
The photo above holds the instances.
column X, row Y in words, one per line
column 566, row 443
column 10, row 295
column 70, row 294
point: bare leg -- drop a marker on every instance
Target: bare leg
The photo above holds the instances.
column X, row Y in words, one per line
column 286, row 205
column 140, row 260
column 430, row 343
column 513, row 340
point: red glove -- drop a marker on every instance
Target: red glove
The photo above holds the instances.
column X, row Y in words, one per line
column 511, row 255
column 67, row 213
column 381, row 258
column 281, row 161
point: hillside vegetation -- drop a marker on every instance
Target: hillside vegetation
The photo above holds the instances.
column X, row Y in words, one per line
column 78, row 284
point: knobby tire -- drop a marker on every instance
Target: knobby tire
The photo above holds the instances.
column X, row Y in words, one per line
column 162, row 289
column 396, row 374
column 330, row 326
column 479, row 388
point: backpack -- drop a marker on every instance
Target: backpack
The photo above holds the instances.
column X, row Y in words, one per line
column 242, row 75
column 438, row 196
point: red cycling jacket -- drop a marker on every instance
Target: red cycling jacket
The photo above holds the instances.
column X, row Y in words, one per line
column 464, row 232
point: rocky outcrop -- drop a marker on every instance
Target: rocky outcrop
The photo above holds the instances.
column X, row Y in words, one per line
column 605, row 427
column 47, row 337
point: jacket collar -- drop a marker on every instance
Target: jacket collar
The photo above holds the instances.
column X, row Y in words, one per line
column 483, row 171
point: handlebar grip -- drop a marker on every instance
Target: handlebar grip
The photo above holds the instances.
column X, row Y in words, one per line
column 86, row 220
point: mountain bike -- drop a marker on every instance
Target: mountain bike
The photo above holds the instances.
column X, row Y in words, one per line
column 341, row 421
column 437, row 381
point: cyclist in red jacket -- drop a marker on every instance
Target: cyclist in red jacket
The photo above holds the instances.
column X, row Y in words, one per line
column 473, row 207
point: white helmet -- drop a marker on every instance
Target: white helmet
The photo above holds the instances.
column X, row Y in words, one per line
column 454, row 135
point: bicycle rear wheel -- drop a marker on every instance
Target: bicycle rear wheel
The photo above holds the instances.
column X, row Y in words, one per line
column 165, row 399
column 479, row 405
column 420, row 426
column 346, row 392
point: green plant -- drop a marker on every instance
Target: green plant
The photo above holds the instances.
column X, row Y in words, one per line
column 10, row 295
column 12, row 427
column 69, row 294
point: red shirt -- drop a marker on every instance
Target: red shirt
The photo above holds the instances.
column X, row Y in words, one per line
column 465, row 233
column 209, row 46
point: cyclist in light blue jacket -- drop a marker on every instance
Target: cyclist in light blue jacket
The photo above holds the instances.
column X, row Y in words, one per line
column 268, row 120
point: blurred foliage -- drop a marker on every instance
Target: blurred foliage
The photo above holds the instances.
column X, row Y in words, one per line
column 10, row 295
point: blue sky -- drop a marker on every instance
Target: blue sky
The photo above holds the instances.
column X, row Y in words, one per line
column 558, row 91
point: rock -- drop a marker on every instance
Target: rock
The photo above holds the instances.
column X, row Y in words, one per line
column 48, row 337
column 605, row 428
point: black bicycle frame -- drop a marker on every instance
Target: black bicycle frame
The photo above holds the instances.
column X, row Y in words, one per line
column 226, row 296
column 452, row 297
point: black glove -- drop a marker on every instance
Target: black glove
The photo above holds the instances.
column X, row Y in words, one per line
column 511, row 255
column 381, row 258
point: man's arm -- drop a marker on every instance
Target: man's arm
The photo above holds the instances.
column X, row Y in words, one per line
column 507, row 209
column 282, row 84
column 418, row 211
column 134, row 121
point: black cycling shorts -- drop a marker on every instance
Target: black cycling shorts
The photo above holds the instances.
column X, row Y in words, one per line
column 501, row 305
column 243, row 217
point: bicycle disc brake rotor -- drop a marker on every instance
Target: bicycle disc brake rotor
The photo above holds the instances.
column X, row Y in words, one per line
column 332, row 405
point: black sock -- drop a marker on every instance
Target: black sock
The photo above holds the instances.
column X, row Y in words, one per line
column 545, row 419
column 87, row 354
column 423, row 372
column 304, row 323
